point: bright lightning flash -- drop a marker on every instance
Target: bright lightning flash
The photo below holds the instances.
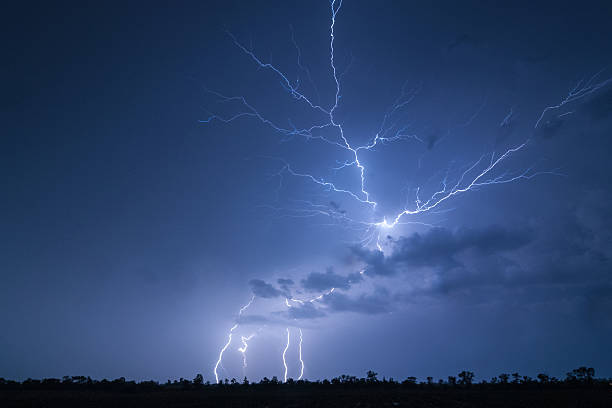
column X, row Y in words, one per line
column 300, row 357
column 244, row 347
column 478, row 175
column 229, row 339
column 486, row 171
column 284, row 354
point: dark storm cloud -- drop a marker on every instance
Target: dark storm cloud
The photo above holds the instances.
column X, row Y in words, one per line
column 285, row 284
column 317, row 281
column 376, row 303
column 571, row 263
column 581, row 275
column 264, row 290
column 439, row 247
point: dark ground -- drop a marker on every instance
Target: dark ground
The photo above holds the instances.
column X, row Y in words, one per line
column 279, row 397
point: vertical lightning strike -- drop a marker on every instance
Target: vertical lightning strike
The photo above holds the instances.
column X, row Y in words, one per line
column 243, row 350
column 335, row 9
column 229, row 339
column 301, row 302
column 284, row 354
column 300, row 356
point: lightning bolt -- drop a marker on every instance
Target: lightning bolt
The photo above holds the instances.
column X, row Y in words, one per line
column 311, row 300
column 243, row 350
column 300, row 357
column 487, row 170
column 284, row 354
column 229, row 339
column 478, row 180
column 301, row 335
column 582, row 89
column 245, row 307
column 483, row 172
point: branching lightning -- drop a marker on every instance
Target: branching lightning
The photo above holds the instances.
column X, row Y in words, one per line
column 582, row 89
column 244, row 347
column 479, row 174
column 488, row 170
column 311, row 300
column 229, row 339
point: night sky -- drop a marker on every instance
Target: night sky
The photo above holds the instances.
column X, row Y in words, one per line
column 135, row 222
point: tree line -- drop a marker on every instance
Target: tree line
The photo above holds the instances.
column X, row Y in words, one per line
column 579, row 377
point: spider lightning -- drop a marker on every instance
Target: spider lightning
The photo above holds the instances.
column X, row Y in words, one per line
column 487, row 170
column 479, row 174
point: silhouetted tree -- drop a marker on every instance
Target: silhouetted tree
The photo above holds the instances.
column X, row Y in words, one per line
column 466, row 377
column 581, row 374
column 198, row 380
column 409, row 381
column 371, row 375
column 543, row 378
